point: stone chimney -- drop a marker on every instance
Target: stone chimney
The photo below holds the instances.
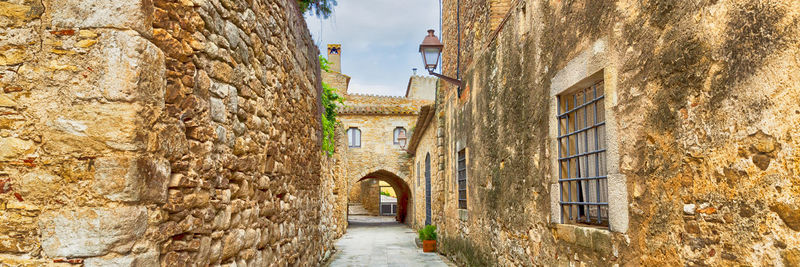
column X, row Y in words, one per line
column 335, row 57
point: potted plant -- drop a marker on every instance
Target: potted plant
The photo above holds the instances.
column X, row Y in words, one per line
column 428, row 237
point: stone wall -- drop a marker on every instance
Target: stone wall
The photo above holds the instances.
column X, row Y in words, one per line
column 704, row 100
column 370, row 196
column 144, row 133
column 428, row 144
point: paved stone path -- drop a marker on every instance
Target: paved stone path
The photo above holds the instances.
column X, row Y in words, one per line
column 380, row 241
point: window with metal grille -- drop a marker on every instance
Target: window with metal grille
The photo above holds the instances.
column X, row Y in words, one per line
column 462, row 179
column 354, row 137
column 582, row 156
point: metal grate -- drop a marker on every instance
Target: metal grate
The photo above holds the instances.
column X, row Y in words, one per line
column 462, row 179
column 582, row 156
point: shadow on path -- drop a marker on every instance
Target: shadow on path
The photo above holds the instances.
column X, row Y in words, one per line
column 381, row 241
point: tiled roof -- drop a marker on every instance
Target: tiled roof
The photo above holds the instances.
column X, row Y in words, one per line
column 381, row 105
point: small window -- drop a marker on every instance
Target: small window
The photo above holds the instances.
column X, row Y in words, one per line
column 397, row 133
column 354, row 137
column 582, row 174
column 462, row 179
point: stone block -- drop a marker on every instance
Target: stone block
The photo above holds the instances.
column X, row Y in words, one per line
column 14, row 148
column 601, row 242
column 119, row 14
column 91, row 128
column 583, row 237
column 133, row 69
column 218, row 112
column 18, row 13
column 789, row 214
column 565, row 232
column 132, row 180
column 147, row 259
column 89, row 232
column 38, row 185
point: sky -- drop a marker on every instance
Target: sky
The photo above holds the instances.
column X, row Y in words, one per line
column 380, row 40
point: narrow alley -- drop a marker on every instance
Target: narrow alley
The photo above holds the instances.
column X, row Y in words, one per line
column 381, row 241
column 252, row 133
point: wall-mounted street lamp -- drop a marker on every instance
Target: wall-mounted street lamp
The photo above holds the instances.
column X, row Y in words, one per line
column 431, row 50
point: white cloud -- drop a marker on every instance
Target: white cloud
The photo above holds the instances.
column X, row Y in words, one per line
column 380, row 40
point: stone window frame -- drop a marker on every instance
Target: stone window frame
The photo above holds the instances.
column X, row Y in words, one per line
column 418, row 183
column 349, row 143
column 588, row 67
column 395, row 135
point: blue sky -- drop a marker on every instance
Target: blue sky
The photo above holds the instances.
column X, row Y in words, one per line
column 380, row 40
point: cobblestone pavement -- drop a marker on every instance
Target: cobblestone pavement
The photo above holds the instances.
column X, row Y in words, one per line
column 380, row 241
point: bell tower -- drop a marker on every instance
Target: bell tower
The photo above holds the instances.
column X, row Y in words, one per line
column 335, row 57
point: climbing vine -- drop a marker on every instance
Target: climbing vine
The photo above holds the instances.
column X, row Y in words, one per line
column 321, row 8
column 330, row 101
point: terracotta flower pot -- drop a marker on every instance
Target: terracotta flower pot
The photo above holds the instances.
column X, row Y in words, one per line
column 428, row 245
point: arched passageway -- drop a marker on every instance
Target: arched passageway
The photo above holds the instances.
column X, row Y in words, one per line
column 400, row 187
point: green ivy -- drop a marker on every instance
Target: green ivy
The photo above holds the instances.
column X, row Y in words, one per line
column 330, row 101
column 321, row 8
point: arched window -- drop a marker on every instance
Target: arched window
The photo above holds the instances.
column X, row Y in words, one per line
column 397, row 132
column 354, row 137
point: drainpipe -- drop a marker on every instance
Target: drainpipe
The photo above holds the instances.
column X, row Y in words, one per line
column 458, row 52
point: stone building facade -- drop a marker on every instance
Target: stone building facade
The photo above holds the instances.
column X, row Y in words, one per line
column 172, row 133
column 376, row 155
column 693, row 106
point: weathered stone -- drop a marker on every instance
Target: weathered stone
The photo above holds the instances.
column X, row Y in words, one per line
column 218, row 111
column 221, row 90
column 791, row 257
column 19, row 13
column 134, row 69
column 123, row 117
column 87, row 232
column 789, row 214
column 134, row 14
column 131, row 180
column 689, row 209
column 233, row 242
column 761, row 161
column 6, row 101
column 147, row 259
column 221, row 71
column 14, row 148
column 94, row 127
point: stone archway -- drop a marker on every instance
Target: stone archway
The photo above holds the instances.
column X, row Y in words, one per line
column 399, row 185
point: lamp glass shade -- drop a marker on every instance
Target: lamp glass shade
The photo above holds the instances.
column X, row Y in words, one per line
column 431, row 49
column 431, row 56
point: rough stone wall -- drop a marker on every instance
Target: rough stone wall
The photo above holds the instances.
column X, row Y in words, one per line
column 370, row 196
column 706, row 106
column 144, row 133
column 428, row 145
column 334, row 192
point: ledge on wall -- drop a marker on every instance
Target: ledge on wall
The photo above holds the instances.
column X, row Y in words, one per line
column 589, row 237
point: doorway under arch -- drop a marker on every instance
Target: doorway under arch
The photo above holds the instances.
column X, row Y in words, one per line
column 400, row 187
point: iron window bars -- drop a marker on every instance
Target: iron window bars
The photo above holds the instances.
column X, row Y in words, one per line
column 582, row 172
column 462, row 179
